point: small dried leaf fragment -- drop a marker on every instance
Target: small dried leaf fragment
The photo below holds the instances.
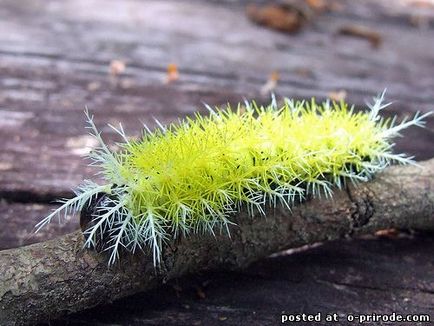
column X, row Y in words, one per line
column 338, row 96
column 117, row 67
column 319, row 5
column 362, row 32
column 325, row 5
column 279, row 17
column 172, row 73
column 271, row 83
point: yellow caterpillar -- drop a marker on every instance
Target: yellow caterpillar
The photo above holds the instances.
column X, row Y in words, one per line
column 192, row 176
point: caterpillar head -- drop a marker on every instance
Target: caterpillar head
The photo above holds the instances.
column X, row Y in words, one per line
column 90, row 216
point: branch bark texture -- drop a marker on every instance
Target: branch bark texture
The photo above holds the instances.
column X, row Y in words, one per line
column 49, row 279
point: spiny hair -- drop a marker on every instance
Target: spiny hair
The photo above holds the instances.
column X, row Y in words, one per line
column 192, row 176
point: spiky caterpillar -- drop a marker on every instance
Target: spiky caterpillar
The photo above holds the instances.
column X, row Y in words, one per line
column 192, row 176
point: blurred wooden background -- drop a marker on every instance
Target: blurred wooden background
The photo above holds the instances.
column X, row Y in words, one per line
column 113, row 57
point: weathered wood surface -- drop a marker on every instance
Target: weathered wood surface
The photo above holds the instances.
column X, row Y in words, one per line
column 54, row 60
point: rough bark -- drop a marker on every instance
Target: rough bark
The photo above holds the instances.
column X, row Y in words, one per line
column 53, row 278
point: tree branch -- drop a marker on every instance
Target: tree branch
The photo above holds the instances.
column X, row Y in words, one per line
column 46, row 280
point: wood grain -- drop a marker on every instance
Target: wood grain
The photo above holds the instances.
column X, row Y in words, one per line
column 55, row 60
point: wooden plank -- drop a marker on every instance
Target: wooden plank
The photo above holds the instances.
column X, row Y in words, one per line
column 17, row 232
column 51, row 67
column 214, row 41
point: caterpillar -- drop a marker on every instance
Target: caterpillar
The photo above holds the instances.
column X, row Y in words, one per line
column 192, row 176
